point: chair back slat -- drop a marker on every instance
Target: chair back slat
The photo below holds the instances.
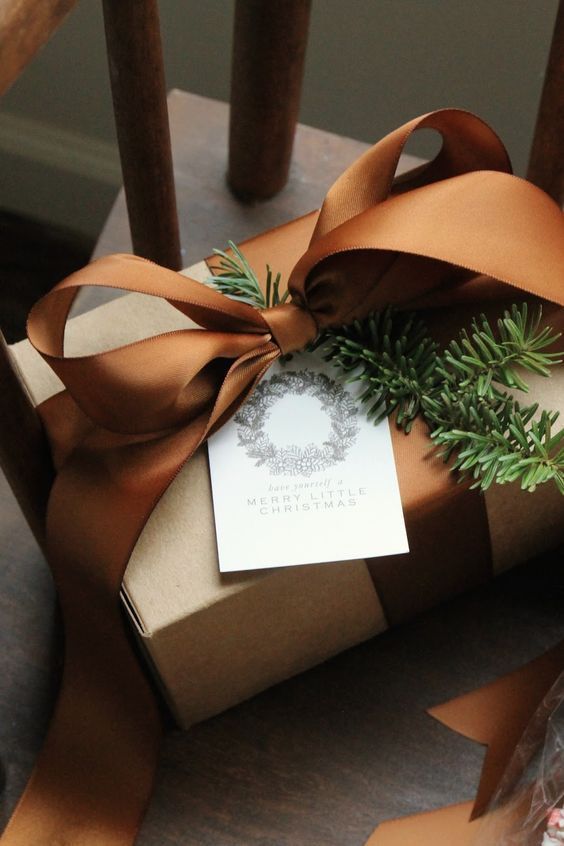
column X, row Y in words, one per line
column 546, row 163
column 139, row 94
column 269, row 46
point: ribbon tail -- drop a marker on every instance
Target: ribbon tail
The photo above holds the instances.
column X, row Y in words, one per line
column 94, row 776
column 445, row 826
column 497, row 716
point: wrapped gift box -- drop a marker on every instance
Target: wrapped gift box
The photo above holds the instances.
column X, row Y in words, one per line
column 214, row 640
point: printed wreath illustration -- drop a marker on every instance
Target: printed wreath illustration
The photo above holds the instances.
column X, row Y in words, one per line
column 294, row 460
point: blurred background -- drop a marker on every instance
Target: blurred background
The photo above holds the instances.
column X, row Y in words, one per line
column 371, row 65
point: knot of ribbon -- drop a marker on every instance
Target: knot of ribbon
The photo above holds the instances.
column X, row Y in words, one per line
column 459, row 228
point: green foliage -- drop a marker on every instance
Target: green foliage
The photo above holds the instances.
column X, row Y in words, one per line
column 506, row 445
column 235, row 278
column 392, row 354
column 461, row 391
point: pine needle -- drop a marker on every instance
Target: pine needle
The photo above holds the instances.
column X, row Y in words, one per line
column 477, row 425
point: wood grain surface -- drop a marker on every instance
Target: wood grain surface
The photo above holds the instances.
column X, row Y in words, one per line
column 267, row 66
column 546, row 163
column 322, row 758
column 137, row 79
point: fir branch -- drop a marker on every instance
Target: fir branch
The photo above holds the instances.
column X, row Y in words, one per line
column 235, row 278
column 461, row 392
column 507, row 446
column 480, row 358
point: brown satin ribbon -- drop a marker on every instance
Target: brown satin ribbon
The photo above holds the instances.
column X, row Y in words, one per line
column 131, row 417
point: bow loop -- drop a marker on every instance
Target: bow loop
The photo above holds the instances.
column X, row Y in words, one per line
column 159, row 383
column 468, row 144
column 374, row 244
column 413, row 246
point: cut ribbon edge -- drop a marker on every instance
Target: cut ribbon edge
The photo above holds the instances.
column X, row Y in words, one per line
column 468, row 143
column 495, row 715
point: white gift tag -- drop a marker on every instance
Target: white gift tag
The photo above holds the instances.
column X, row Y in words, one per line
column 300, row 476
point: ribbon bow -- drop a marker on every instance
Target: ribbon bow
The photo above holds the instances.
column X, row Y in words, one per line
column 131, row 417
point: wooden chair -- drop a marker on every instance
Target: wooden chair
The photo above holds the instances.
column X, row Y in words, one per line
column 266, row 80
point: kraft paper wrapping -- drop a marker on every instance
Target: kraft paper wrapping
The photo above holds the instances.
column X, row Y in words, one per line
column 215, row 640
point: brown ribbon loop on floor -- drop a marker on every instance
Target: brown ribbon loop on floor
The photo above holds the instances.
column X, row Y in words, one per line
column 131, row 417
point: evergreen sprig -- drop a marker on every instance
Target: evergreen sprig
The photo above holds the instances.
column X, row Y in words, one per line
column 392, row 354
column 235, row 278
column 461, row 391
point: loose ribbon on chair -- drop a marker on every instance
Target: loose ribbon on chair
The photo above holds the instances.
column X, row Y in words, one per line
column 131, row 417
